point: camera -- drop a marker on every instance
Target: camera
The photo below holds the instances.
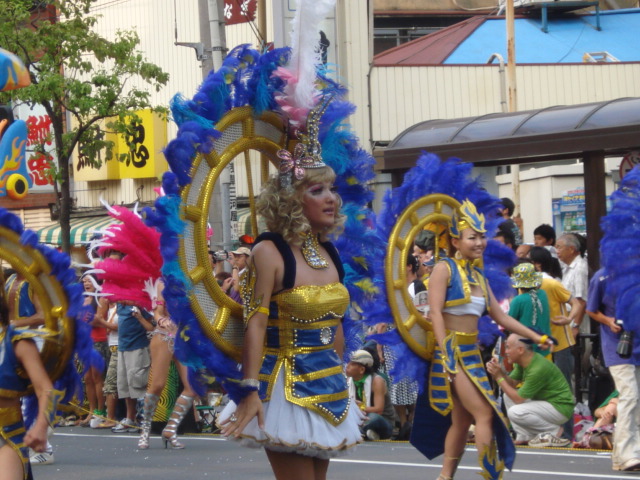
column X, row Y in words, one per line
column 625, row 343
column 219, row 255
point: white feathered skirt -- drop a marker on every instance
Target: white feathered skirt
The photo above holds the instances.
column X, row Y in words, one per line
column 295, row 429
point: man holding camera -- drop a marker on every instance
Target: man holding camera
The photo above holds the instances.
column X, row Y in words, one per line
column 624, row 366
column 238, row 260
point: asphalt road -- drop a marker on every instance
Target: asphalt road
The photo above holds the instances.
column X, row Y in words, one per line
column 82, row 454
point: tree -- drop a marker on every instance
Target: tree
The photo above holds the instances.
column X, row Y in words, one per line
column 74, row 71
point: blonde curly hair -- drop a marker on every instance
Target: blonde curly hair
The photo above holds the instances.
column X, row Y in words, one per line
column 282, row 209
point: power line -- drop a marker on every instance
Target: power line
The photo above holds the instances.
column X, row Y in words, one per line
column 253, row 27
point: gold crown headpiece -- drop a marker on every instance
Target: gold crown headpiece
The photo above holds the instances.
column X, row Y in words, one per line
column 466, row 217
column 307, row 153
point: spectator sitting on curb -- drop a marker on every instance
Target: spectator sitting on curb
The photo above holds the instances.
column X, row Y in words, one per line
column 369, row 392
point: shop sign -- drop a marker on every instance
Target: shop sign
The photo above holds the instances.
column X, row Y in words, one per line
column 139, row 157
column 239, row 11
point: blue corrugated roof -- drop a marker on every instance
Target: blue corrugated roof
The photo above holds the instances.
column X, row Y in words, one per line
column 568, row 39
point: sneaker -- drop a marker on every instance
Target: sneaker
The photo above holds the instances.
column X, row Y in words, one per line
column 95, row 421
column 124, row 426
column 548, row 440
column 632, row 465
column 69, row 421
column 44, row 458
column 372, row 435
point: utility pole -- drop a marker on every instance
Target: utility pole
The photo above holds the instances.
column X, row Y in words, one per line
column 223, row 208
column 512, row 95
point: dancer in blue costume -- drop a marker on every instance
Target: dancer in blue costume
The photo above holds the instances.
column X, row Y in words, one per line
column 294, row 303
column 19, row 356
column 458, row 295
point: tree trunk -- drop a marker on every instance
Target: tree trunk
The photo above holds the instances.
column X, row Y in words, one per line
column 65, row 205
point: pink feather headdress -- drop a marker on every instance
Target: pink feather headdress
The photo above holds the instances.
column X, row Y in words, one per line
column 134, row 278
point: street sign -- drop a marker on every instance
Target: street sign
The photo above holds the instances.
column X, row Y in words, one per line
column 629, row 161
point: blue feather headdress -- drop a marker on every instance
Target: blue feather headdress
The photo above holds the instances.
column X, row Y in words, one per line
column 450, row 177
column 70, row 381
column 620, row 249
column 247, row 78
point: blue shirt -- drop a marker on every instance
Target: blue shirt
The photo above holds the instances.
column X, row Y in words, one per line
column 131, row 334
column 600, row 301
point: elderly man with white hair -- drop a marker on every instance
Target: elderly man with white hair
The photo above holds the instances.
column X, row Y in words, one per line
column 575, row 273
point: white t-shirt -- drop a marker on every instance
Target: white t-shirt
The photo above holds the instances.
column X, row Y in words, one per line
column 112, row 317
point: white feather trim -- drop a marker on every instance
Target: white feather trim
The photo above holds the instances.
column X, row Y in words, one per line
column 151, row 289
column 305, row 55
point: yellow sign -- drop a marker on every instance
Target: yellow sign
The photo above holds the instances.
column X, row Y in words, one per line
column 83, row 171
column 144, row 159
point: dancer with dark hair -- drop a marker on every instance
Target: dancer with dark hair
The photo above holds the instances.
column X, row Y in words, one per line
column 458, row 295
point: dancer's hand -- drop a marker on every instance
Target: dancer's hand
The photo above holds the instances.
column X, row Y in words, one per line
column 249, row 407
column 36, row 437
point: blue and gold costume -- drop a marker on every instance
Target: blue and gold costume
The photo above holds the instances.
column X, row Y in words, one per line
column 23, row 302
column 300, row 341
column 14, row 383
column 301, row 377
column 433, row 410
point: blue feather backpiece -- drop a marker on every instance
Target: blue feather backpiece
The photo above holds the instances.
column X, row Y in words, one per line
column 450, row 177
column 246, row 78
column 71, row 379
column 620, row 250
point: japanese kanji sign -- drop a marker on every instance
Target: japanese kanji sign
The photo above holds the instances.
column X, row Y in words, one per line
column 239, row 11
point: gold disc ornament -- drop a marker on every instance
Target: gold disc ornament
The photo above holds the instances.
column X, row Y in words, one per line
column 431, row 212
column 254, row 141
column 58, row 327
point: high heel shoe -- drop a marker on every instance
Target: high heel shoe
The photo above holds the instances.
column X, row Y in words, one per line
column 143, row 441
column 150, row 405
column 180, row 409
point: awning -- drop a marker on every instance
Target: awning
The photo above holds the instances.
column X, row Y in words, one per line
column 82, row 230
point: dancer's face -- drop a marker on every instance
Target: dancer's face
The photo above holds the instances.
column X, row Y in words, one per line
column 471, row 244
column 319, row 205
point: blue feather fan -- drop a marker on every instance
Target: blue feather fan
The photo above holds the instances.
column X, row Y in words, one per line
column 246, row 78
column 450, row 177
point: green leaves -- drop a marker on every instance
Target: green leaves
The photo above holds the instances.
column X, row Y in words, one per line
column 77, row 72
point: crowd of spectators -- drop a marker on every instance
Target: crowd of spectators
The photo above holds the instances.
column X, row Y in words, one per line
column 537, row 387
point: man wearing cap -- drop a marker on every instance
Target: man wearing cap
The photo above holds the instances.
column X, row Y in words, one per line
column 536, row 394
column 369, row 392
column 238, row 260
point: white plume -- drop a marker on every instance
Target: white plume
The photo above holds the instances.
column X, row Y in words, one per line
column 305, row 55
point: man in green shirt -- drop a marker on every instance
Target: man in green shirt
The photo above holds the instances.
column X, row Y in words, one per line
column 536, row 394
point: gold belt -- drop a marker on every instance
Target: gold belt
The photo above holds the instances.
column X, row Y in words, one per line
column 10, row 415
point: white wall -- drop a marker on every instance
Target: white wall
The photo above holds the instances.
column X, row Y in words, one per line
column 539, row 186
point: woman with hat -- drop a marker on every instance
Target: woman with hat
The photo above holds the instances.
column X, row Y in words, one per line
column 531, row 306
column 458, row 386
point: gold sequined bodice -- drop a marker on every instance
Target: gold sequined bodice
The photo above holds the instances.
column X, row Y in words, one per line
column 300, row 339
column 309, row 303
